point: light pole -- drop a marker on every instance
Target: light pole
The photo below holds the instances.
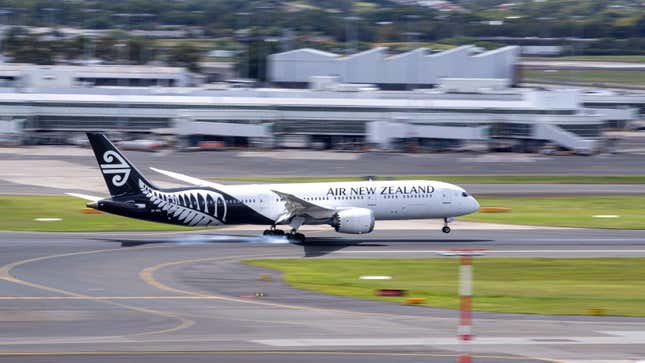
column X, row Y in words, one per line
column 411, row 35
column 50, row 17
column 264, row 12
column 5, row 26
column 350, row 34
column 244, row 37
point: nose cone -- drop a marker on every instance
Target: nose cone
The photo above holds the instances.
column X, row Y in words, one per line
column 474, row 205
column 94, row 205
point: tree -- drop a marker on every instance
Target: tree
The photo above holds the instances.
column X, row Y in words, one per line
column 140, row 50
column 106, row 48
column 32, row 50
column 185, row 55
column 74, row 48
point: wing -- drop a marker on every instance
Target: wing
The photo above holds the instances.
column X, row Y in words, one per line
column 85, row 196
column 189, row 179
column 298, row 207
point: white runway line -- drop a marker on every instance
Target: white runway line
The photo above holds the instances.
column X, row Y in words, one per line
column 622, row 338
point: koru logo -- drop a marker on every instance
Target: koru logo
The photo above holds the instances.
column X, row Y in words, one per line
column 115, row 164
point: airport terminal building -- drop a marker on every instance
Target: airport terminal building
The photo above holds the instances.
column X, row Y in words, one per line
column 431, row 119
column 419, row 68
column 473, row 103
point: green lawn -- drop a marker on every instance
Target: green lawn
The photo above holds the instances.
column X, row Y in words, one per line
column 458, row 179
column 535, row 285
column 586, row 75
column 566, row 211
column 17, row 213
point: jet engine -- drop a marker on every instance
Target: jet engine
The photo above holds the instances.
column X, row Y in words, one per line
column 354, row 220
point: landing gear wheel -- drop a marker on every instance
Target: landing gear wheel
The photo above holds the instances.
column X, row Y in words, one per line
column 296, row 237
column 273, row 232
column 445, row 229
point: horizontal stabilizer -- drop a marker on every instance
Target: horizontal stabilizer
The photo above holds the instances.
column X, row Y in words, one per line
column 85, row 196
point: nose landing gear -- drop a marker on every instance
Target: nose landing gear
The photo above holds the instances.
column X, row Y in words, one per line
column 445, row 228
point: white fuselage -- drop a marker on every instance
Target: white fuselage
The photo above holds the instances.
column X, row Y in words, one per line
column 389, row 200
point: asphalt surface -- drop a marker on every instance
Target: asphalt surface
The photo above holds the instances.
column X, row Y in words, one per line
column 310, row 163
column 157, row 297
column 230, row 164
column 54, row 171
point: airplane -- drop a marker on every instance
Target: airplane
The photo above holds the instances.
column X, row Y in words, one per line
column 348, row 207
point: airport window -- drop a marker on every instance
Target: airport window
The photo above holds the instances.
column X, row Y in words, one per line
column 510, row 129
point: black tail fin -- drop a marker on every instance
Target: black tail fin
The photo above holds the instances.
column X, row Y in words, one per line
column 121, row 177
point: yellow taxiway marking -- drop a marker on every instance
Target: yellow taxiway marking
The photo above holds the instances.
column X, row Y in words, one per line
column 273, row 352
column 148, row 276
column 5, row 274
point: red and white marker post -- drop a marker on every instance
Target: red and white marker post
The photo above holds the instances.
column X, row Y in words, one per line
column 464, row 329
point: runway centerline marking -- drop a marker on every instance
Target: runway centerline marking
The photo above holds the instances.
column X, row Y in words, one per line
column 609, row 338
column 5, row 274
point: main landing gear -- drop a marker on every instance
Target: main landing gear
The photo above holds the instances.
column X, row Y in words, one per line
column 445, row 228
column 273, row 232
column 296, row 237
column 292, row 236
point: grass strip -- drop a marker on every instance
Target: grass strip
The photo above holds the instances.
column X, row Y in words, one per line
column 614, row 212
column 18, row 213
column 515, row 285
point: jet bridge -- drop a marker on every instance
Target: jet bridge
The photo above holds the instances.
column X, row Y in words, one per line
column 564, row 138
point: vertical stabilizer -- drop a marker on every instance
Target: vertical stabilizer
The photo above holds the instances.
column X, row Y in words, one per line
column 121, row 177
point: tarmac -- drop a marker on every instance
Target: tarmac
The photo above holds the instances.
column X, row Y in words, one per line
column 56, row 170
column 169, row 297
column 157, row 297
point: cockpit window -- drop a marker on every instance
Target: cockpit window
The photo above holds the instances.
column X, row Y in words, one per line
column 464, row 194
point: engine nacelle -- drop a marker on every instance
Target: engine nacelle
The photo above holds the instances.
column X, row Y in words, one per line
column 354, row 220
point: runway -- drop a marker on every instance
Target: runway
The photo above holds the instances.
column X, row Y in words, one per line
column 156, row 297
